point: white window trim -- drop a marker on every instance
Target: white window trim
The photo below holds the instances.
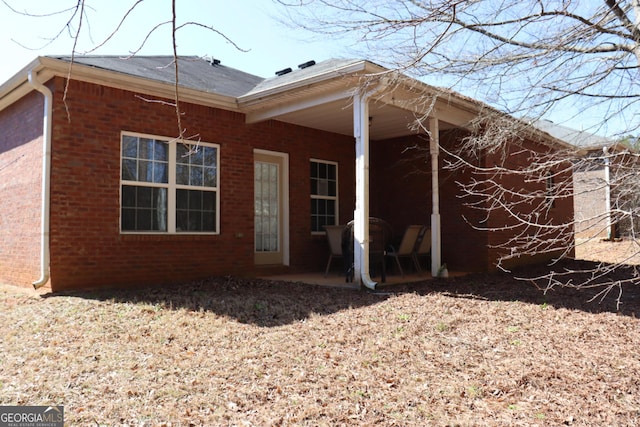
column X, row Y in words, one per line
column 337, row 196
column 171, row 187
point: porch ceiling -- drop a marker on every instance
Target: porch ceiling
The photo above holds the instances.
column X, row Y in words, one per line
column 387, row 121
column 323, row 99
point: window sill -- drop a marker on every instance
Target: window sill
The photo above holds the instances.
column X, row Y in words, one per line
column 138, row 237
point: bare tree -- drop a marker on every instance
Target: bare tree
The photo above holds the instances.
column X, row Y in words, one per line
column 78, row 16
column 523, row 57
column 574, row 59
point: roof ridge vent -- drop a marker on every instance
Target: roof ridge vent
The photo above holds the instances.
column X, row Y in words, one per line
column 307, row 64
column 283, row 72
column 213, row 61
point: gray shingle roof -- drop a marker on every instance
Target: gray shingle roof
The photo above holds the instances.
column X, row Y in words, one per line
column 300, row 74
column 574, row 137
column 195, row 72
column 201, row 74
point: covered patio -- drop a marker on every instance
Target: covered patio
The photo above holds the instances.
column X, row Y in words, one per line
column 335, row 280
column 380, row 109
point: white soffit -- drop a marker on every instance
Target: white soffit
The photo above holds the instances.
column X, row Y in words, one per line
column 328, row 105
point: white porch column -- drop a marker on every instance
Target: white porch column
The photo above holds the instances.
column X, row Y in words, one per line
column 361, row 213
column 434, row 148
column 607, row 192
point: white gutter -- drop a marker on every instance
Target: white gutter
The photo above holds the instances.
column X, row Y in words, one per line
column 46, row 182
column 434, row 148
column 361, row 213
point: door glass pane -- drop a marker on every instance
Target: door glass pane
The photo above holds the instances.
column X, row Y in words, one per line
column 266, row 201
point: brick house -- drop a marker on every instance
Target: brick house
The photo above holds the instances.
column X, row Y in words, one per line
column 592, row 198
column 96, row 190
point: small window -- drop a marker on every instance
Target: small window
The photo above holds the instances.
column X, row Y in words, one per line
column 167, row 186
column 550, row 190
column 324, row 194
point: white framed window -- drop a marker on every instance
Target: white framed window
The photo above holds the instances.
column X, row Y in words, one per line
column 167, row 186
column 324, row 194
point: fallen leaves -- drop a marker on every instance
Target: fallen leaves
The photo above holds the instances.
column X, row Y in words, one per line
column 485, row 350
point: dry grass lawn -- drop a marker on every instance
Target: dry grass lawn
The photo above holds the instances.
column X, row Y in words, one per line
column 484, row 350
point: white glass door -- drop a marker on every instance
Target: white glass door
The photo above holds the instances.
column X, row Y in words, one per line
column 268, row 224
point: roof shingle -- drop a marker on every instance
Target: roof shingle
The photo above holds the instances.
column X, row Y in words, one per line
column 194, row 72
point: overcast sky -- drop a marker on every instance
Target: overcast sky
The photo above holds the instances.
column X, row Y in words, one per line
column 251, row 24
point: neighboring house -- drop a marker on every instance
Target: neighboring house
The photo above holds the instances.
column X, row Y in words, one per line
column 96, row 190
column 591, row 181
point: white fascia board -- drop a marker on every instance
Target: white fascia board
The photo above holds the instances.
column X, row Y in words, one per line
column 424, row 100
column 136, row 84
column 17, row 86
column 14, row 94
column 256, row 97
column 456, row 116
column 455, row 108
column 296, row 105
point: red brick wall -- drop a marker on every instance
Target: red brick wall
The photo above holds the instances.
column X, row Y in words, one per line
column 400, row 182
column 20, row 190
column 400, row 178
column 464, row 248
column 401, row 194
column 87, row 248
column 550, row 241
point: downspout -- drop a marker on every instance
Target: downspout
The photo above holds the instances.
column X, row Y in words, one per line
column 434, row 148
column 46, row 182
column 361, row 213
column 607, row 191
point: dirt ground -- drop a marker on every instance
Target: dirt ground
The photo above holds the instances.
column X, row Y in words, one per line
column 622, row 251
column 484, row 350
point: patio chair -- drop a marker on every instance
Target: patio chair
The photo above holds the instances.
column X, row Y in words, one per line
column 407, row 246
column 334, row 238
column 423, row 247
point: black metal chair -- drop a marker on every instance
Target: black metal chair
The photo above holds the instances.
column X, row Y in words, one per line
column 379, row 238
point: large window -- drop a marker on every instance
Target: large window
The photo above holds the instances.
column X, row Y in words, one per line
column 324, row 194
column 167, row 186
